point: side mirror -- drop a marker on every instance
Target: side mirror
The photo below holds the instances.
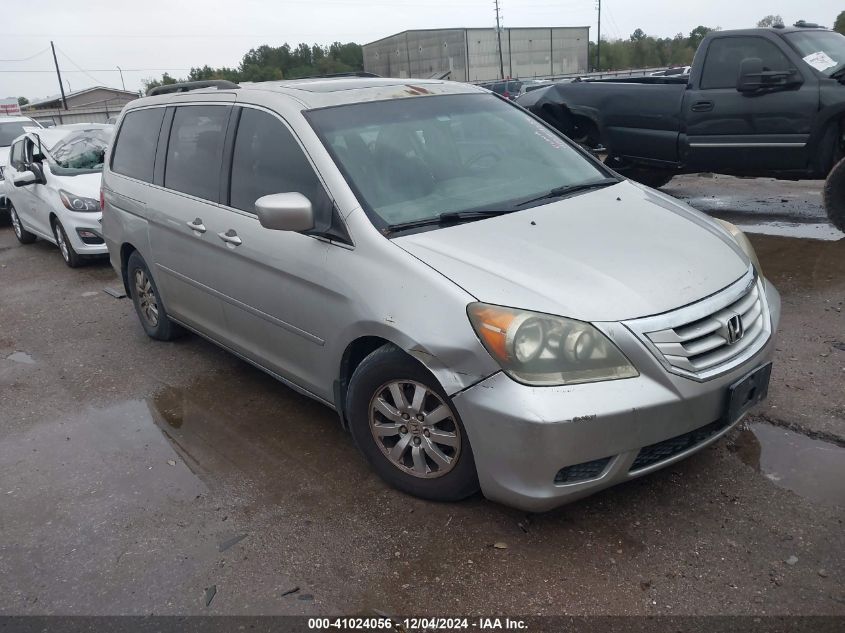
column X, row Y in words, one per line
column 750, row 75
column 285, row 212
column 23, row 178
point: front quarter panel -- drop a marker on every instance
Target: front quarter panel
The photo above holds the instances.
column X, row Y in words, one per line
column 380, row 290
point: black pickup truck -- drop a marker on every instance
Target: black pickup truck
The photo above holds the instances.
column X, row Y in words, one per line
column 757, row 102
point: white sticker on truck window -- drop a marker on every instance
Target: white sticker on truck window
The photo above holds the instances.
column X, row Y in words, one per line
column 820, row 60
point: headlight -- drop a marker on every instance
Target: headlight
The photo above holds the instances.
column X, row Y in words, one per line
column 541, row 349
column 742, row 240
column 78, row 203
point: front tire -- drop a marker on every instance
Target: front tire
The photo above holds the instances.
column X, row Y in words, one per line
column 24, row 236
column 70, row 256
column 408, row 429
column 147, row 301
column 834, row 195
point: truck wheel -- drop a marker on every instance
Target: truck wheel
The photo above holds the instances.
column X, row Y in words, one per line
column 649, row 176
column 834, row 195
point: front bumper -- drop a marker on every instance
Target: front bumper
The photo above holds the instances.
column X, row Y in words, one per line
column 522, row 437
column 77, row 225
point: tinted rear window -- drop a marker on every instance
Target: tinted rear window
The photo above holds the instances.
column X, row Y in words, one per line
column 135, row 149
column 195, row 150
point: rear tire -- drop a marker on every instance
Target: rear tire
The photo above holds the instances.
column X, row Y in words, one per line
column 418, row 444
column 70, row 256
column 648, row 176
column 834, row 195
column 147, row 300
column 24, row 236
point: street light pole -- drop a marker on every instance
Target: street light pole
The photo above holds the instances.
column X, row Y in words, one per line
column 121, row 77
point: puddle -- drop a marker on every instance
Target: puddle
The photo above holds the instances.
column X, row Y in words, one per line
column 21, row 357
column 810, row 468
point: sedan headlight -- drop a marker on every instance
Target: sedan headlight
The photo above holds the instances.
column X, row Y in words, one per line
column 541, row 349
column 78, row 203
column 742, row 241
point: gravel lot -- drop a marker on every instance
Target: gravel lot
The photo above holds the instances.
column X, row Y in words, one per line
column 140, row 477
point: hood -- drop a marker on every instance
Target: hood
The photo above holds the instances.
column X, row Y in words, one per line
column 613, row 254
column 86, row 185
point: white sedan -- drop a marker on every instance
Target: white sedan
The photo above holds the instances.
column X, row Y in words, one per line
column 53, row 184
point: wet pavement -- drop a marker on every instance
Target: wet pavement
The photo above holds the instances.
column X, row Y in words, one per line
column 144, row 477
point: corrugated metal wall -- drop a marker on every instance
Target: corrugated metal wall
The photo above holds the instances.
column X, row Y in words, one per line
column 473, row 54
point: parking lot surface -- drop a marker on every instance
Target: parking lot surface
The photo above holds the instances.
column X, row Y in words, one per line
column 142, row 477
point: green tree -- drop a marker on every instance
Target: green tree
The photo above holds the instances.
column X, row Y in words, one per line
column 22, row 101
column 698, row 34
column 770, row 20
column 839, row 25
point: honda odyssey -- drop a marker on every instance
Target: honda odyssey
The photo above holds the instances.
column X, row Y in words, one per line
column 484, row 305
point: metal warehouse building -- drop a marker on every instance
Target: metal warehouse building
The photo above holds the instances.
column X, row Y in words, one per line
column 473, row 54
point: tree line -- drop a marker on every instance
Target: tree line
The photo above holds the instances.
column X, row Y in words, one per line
column 268, row 63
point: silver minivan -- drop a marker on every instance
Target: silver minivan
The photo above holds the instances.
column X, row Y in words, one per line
column 485, row 305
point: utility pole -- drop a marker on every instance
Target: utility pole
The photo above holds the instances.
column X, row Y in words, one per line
column 59, row 74
column 598, row 41
column 499, row 36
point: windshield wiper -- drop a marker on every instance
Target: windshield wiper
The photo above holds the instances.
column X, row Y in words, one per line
column 450, row 217
column 558, row 192
column 838, row 74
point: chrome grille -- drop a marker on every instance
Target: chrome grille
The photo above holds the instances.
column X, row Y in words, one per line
column 695, row 341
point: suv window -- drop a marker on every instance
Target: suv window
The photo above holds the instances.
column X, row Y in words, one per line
column 721, row 67
column 268, row 159
column 195, row 150
column 135, row 148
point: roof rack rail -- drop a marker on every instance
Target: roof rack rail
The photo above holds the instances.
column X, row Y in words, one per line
column 354, row 73
column 185, row 86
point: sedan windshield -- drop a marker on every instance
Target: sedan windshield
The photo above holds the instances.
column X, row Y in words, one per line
column 823, row 50
column 410, row 160
column 80, row 152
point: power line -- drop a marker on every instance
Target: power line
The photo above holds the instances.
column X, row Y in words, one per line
column 99, row 70
column 25, row 59
column 85, row 72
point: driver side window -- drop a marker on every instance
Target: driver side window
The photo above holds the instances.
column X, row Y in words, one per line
column 721, row 67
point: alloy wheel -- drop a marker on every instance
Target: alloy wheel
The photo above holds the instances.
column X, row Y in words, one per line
column 60, row 240
column 16, row 223
column 147, row 300
column 415, row 429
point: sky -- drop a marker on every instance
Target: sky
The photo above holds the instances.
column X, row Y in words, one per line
column 148, row 37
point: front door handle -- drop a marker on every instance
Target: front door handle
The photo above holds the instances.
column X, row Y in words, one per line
column 197, row 225
column 702, row 106
column 231, row 238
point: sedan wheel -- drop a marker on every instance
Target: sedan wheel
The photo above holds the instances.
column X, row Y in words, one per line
column 24, row 236
column 415, row 429
column 71, row 257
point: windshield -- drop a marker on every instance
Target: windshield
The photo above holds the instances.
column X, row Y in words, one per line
column 80, row 152
column 414, row 159
column 823, row 50
column 10, row 131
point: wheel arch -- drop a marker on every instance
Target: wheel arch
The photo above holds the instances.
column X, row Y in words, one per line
column 126, row 250
column 826, row 144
